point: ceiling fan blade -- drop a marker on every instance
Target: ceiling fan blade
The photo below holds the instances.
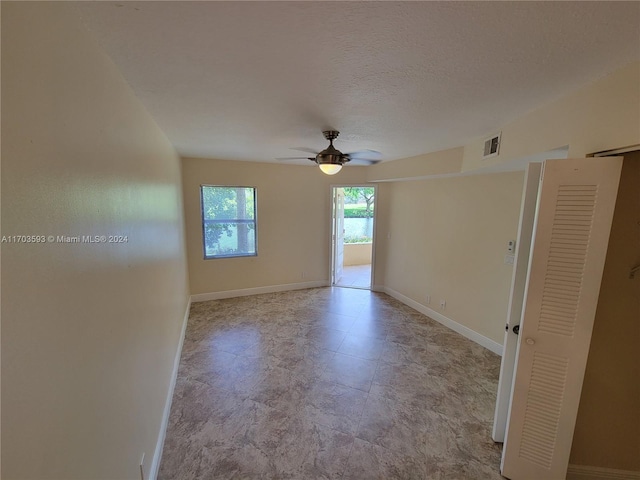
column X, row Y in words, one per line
column 360, row 157
column 363, row 161
column 365, row 154
column 303, row 149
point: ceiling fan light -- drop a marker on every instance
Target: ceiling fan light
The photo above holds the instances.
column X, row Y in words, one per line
column 330, row 168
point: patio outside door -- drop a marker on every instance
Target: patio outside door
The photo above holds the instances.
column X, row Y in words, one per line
column 353, row 212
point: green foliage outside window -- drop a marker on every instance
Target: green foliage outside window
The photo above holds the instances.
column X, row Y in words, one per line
column 229, row 221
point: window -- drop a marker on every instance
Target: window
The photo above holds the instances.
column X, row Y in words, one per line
column 228, row 221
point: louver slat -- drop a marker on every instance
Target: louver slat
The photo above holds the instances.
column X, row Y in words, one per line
column 542, row 414
column 575, row 205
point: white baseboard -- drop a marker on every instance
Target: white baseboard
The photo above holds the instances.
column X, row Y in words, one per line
column 447, row 322
column 584, row 472
column 204, row 297
column 157, row 455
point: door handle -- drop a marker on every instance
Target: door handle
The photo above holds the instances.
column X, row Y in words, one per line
column 516, row 329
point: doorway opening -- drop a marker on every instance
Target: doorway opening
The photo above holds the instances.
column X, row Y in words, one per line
column 353, row 229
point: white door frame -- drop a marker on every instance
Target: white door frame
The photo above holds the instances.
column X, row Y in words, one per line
column 375, row 228
column 337, row 237
column 516, row 298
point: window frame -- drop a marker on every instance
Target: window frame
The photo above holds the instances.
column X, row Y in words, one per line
column 204, row 222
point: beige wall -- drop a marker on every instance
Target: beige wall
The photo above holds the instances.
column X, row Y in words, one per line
column 600, row 116
column 607, row 430
column 380, row 240
column 448, row 240
column 435, row 163
column 357, row 253
column 294, row 221
column 89, row 331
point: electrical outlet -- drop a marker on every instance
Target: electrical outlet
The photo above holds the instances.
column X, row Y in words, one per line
column 443, row 304
column 303, row 274
column 427, row 299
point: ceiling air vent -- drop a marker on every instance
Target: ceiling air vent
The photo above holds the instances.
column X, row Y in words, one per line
column 491, row 146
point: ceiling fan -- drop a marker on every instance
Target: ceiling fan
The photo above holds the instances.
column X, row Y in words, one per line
column 330, row 160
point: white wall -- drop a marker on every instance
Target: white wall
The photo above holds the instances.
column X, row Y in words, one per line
column 89, row 331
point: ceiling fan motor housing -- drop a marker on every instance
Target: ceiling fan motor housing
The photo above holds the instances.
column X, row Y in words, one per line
column 331, row 154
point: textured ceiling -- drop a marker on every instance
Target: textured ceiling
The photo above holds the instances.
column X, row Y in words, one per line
column 251, row 80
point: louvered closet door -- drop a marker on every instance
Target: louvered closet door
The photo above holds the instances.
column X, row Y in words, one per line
column 571, row 233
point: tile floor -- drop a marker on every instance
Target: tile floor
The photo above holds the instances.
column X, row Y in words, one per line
column 329, row 383
column 355, row 276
